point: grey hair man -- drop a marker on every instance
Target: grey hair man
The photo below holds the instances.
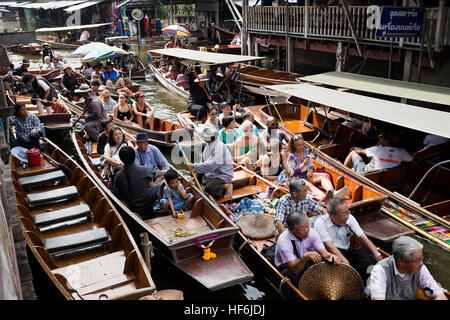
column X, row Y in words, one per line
column 399, row 276
column 335, row 230
column 215, row 169
column 295, row 201
column 299, row 247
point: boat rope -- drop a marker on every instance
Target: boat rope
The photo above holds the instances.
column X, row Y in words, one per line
column 180, row 232
column 244, row 243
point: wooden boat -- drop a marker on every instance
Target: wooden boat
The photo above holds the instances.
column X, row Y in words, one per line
column 137, row 70
column 331, row 141
column 181, row 91
column 203, row 223
column 51, row 75
column 225, row 48
column 75, row 233
column 222, row 35
column 164, row 133
column 59, row 119
column 58, row 45
column 364, row 202
column 31, row 48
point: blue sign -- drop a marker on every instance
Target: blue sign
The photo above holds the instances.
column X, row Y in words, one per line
column 400, row 22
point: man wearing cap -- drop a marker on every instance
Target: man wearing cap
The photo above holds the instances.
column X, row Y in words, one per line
column 46, row 51
column 93, row 113
column 198, row 99
column 27, row 126
column 149, row 156
column 69, row 82
column 44, row 91
column 23, row 68
column 216, row 165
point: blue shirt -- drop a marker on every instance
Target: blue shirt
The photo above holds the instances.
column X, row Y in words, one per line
column 216, row 163
column 151, row 159
column 23, row 127
column 172, row 193
column 111, row 75
column 287, row 205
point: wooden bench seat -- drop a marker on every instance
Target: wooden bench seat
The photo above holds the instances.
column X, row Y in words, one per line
column 66, row 214
column 241, row 193
column 80, row 240
column 40, row 179
column 52, row 196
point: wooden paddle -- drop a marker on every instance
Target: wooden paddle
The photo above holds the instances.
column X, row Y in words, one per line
column 187, row 162
column 204, row 87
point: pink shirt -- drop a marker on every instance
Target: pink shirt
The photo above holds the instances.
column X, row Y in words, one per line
column 284, row 251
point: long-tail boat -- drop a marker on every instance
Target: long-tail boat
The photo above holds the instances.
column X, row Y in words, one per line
column 75, row 233
column 180, row 240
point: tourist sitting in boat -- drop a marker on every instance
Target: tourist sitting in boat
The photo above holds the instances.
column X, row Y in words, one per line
column 46, row 51
column 102, row 140
column 246, row 148
column 174, row 197
column 132, row 184
column 212, row 119
column 28, row 128
column 122, row 111
column 300, row 165
column 385, row 155
column 140, row 107
column 93, row 112
column 249, row 116
column 111, row 77
column 399, row 276
column 229, row 134
column 299, row 247
column 181, row 79
column 273, row 162
column 432, row 140
column 271, row 132
column 116, row 141
column 150, row 156
column 198, row 98
column 85, row 35
column 172, row 74
column 108, row 102
column 44, row 91
column 56, row 64
column 335, row 229
column 226, row 110
column 68, row 83
column 47, row 64
column 297, row 200
column 86, row 70
column 163, row 66
column 95, row 85
column 97, row 74
column 68, row 38
column 215, row 169
column 22, row 69
column 236, row 40
column 170, row 43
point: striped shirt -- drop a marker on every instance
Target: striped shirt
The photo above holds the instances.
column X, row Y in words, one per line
column 287, row 205
column 23, row 127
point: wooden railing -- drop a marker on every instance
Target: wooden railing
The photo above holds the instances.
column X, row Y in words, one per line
column 332, row 23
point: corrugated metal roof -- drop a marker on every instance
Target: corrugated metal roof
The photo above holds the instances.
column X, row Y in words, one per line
column 389, row 87
column 209, row 57
column 408, row 116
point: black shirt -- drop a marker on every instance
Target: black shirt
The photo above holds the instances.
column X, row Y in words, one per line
column 197, row 94
column 102, row 140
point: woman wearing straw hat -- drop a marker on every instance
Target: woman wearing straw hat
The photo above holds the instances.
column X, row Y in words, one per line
column 93, row 113
column 69, row 82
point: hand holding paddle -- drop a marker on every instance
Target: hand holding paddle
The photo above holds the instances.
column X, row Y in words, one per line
column 189, row 166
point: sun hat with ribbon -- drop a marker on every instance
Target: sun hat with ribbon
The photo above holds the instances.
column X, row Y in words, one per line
column 257, row 226
column 83, row 88
column 20, row 153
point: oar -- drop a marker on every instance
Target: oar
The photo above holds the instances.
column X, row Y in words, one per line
column 73, row 124
column 187, row 162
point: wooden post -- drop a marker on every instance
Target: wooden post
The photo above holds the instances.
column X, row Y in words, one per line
column 244, row 35
column 289, row 45
column 407, row 69
column 339, row 57
column 257, row 53
column 306, row 20
column 440, row 26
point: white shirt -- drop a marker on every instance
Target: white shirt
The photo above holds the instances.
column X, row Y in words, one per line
column 385, row 157
column 432, row 140
column 84, row 35
column 377, row 281
column 339, row 235
column 47, row 66
column 113, row 152
column 43, row 85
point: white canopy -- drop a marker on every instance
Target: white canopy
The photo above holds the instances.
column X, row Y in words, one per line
column 50, row 5
column 86, row 26
column 389, row 87
column 209, row 57
column 83, row 5
column 413, row 117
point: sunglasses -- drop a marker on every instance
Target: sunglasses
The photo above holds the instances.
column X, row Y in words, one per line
column 274, row 125
column 140, row 96
column 214, row 113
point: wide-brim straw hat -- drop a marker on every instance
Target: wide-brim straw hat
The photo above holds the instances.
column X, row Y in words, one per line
column 257, row 226
column 66, row 66
column 20, row 153
column 83, row 88
column 331, row 282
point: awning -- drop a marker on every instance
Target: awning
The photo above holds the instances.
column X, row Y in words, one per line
column 394, row 88
column 50, row 5
column 408, row 116
column 86, row 26
column 15, row 4
column 83, row 5
column 209, row 57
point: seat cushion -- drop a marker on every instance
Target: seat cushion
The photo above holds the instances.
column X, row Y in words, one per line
column 40, row 179
column 52, row 195
column 66, row 214
column 76, row 240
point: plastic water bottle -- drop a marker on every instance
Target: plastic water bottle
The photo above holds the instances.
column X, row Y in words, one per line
column 125, row 119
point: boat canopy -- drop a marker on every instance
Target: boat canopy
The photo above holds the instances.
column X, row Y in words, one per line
column 86, row 26
column 389, row 87
column 83, row 5
column 409, row 116
column 49, row 5
column 209, row 57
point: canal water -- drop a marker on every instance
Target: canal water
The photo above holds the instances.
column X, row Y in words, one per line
column 165, row 275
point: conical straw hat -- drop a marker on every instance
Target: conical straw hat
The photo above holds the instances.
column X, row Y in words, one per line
column 331, row 282
column 257, row 226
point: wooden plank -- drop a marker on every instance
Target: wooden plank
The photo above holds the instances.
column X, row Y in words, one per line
column 241, row 193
